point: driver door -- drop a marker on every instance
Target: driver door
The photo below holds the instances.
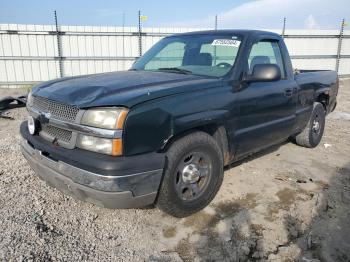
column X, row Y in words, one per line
column 267, row 109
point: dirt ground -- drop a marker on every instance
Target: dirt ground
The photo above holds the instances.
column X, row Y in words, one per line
column 287, row 203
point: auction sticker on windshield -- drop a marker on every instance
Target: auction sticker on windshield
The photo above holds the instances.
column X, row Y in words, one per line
column 226, row 42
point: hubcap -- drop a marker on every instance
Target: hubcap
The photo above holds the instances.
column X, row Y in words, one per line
column 316, row 127
column 193, row 175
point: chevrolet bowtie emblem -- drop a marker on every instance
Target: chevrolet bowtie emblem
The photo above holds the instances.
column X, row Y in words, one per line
column 47, row 115
column 44, row 117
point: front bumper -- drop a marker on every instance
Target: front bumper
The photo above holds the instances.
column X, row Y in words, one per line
column 129, row 190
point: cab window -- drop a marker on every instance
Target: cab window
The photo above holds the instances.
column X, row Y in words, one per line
column 210, row 55
column 170, row 56
column 266, row 52
column 221, row 54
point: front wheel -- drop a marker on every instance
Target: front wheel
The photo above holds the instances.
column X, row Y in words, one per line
column 313, row 132
column 192, row 176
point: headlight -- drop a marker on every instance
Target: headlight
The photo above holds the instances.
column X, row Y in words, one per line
column 103, row 117
column 30, row 99
column 100, row 145
column 110, row 118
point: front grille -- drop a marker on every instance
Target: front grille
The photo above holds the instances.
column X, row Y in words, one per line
column 58, row 133
column 56, row 109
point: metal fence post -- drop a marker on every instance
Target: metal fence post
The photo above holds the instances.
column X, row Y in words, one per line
column 284, row 27
column 59, row 48
column 140, row 40
column 123, row 36
column 341, row 33
column 216, row 28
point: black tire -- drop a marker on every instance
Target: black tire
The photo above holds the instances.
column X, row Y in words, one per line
column 172, row 193
column 311, row 136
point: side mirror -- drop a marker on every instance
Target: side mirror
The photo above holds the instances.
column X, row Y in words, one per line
column 264, row 73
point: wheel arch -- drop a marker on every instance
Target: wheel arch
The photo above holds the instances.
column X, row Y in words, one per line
column 216, row 130
column 323, row 98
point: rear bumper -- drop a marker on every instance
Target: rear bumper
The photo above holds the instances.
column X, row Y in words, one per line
column 130, row 190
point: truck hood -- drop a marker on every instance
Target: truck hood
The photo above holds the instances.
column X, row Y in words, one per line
column 126, row 88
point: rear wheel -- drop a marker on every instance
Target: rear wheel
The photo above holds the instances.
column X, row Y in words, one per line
column 313, row 132
column 193, row 175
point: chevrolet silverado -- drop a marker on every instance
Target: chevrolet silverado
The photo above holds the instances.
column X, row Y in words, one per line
column 162, row 132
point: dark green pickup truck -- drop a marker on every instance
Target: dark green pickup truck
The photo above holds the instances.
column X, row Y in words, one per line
column 162, row 132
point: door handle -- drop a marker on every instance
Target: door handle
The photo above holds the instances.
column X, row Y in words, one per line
column 288, row 92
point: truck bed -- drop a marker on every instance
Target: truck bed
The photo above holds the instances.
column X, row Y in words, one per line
column 325, row 77
column 321, row 81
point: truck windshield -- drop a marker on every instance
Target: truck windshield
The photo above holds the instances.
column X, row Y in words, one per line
column 207, row 55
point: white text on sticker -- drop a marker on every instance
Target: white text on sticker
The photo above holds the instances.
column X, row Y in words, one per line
column 226, row 42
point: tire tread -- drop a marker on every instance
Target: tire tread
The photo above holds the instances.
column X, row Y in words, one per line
column 304, row 138
column 165, row 200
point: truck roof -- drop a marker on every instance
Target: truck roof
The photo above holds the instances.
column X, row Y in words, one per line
column 243, row 32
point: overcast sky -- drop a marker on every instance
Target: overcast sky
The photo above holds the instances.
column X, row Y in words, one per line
column 268, row 14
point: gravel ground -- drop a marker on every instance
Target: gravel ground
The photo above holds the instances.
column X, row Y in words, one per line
column 287, row 203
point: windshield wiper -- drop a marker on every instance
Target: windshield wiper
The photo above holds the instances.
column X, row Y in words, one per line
column 175, row 70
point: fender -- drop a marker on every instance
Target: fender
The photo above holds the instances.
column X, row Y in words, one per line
column 154, row 133
column 200, row 119
column 324, row 90
column 211, row 121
